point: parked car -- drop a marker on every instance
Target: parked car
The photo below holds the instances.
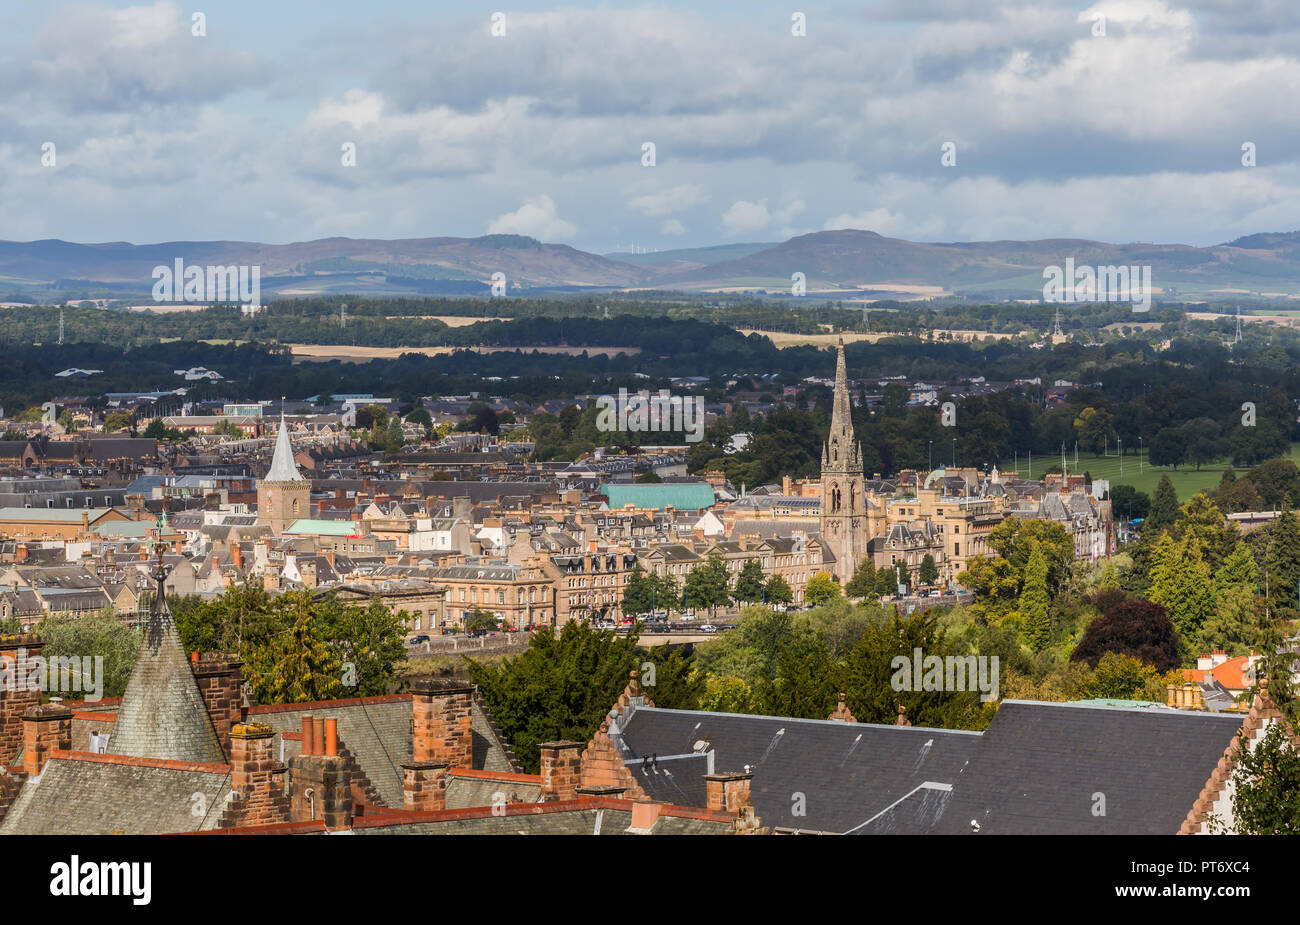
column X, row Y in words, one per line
column 416, row 640
column 708, row 628
column 475, row 634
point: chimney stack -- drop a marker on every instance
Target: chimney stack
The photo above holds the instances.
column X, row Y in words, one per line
column 441, row 719
column 727, row 792
column 320, row 784
column 561, row 770
column 45, row 728
column 424, row 786
column 221, row 683
column 256, row 778
column 17, row 652
column 842, row 713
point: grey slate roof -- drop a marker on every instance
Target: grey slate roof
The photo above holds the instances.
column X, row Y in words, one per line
column 378, row 733
column 567, row 822
column 75, row 797
column 1039, row 765
column 847, row 772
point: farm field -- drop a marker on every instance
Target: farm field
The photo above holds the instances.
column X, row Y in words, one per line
column 1187, row 480
column 313, row 353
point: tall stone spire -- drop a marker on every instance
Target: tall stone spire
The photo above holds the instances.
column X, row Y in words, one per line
column 841, row 452
column 844, row 522
column 162, row 714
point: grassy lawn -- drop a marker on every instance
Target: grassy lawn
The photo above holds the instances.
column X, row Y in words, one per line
column 1187, row 480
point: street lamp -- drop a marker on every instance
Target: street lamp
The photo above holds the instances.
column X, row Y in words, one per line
column 954, row 452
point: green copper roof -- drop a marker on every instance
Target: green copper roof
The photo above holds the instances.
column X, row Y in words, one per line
column 325, row 527
column 684, row 496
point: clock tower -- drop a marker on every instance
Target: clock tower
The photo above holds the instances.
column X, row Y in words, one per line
column 284, row 495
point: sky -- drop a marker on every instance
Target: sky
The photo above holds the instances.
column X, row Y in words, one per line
column 1119, row 121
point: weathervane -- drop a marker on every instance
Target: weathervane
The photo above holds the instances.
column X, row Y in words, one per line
column 160, row 570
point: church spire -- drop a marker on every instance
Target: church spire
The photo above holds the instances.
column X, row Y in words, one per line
column 840, row 452
column 283, row 468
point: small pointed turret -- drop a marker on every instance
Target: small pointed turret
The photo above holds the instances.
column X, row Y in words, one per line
column 162, row 713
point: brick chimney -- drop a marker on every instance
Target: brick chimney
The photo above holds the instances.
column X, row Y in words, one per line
column 727, row 792
column 20, row 553
column 237, row 556
column 320, row 783
column 441, row 719
column 256, row 778
column 561, row 770
column 842, row 713
column 424, row 786
column 644, row 817
column 16, row 653
column 45, row 728
column 220, row 681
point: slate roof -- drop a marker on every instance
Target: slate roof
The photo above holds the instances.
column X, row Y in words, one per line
column 75, row 796
column 847, row 772
column 1039, row 765
column 606, row 817
column 377, row 730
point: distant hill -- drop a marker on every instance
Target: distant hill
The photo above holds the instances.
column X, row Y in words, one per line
column 327, row 264
column 851, row 259
column 848, row 260
column 684, row 259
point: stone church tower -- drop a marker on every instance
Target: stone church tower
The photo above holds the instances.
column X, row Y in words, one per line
column 284, row 495
column 844, row 502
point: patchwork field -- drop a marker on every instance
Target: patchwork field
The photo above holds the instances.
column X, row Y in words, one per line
column 321, row 353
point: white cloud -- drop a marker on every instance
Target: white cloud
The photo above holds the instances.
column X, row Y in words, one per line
column 357, row 108
column 879, row 220
column 666, row 202
column 536, row 218
column 744, row 217
column 672, row 227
